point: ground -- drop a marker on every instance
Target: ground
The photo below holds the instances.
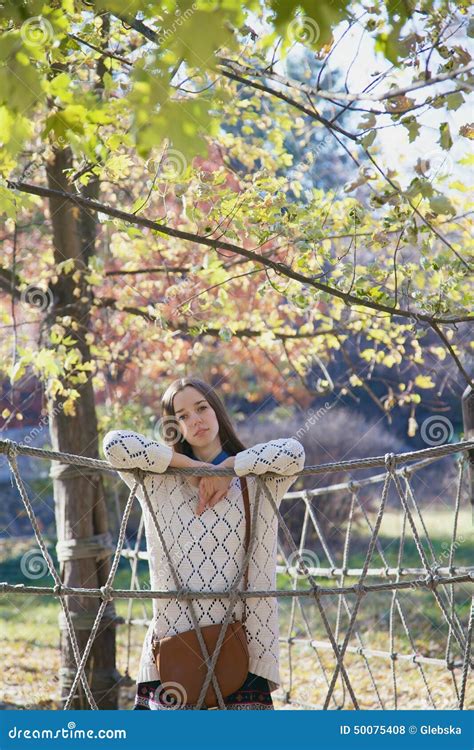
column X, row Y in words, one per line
column 31, row 658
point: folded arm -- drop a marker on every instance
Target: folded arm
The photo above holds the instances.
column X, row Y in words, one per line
column 125, row 449
column 284, row 456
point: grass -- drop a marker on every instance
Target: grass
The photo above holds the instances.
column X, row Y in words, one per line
column 30, row 636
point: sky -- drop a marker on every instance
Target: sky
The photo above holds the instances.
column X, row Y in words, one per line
column 394, row 143
column 392, row 146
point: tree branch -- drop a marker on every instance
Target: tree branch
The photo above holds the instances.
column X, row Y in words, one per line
column 297, row 105
column 184, row 327
column 303, row 88
column 157, row 269
column 416, row 210
column 104, row 52
column 453, row 354
column 279, row 268
column 151, row 35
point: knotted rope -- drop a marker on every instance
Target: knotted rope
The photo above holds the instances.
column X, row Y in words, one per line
column 436, row 578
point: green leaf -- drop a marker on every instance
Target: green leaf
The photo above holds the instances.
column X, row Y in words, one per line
column 7, row 203
column 413, row 127
column 368, row 121
column 454, row 100
column 117, row 166
column 183, row 123
column 46, row 362
column 17, row 371
column 388, row 43
column 445, row 140
column 215, row 25
column 308, row 22
column 420, row 186
column 467, row 160
column 457, row 185
column 61, row 86
column 296, row 187
column 368, row 139
column 440, row 204
column 70, row 118
column 20, row 86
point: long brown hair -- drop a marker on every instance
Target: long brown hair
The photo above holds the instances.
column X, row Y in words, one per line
column 227, row 435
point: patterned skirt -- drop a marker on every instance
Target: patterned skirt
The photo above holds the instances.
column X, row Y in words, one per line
column 254, row 695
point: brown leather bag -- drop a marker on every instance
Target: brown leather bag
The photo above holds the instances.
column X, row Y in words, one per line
column 179, row 658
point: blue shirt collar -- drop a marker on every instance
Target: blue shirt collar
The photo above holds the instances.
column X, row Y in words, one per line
column 219, row 458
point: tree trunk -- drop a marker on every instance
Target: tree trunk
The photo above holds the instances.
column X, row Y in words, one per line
column 80, row 507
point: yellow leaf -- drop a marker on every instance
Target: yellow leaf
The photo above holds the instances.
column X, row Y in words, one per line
column 424, row 381
column 467, row 131
column 55, row 387
column 440, row 351
column 389, row 360
column 419, row 279
column 69, row 407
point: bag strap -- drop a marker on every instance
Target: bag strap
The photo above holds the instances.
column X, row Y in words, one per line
column 245, row 495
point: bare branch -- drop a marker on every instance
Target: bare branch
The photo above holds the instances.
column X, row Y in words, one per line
column 157, row 269
column 104, row 52
column 303, row 88
column 453, row 354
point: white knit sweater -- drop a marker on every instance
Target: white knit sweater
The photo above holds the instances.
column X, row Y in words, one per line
column 207, row 550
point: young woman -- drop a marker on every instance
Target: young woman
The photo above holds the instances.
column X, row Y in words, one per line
column 203, row 523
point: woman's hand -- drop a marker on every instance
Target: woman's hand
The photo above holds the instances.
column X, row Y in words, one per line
column 181, row 461
column 194, row 481
column 211, row 491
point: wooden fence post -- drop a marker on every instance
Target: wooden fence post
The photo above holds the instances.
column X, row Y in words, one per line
column 468, row 422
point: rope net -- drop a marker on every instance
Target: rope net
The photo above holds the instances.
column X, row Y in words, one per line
column 306, row 601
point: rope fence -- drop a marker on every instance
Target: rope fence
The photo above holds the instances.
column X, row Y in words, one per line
column 434, row 576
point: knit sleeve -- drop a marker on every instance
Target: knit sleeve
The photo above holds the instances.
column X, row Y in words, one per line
column 126, row 449
column 283, row 456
